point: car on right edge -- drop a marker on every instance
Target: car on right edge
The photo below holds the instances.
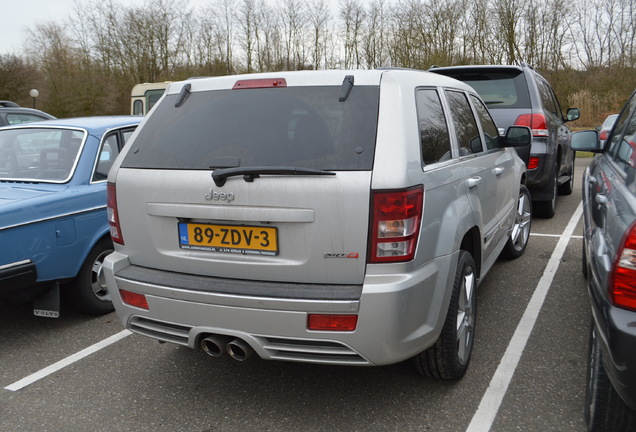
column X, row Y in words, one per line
column 519, row 95
column 609, row 264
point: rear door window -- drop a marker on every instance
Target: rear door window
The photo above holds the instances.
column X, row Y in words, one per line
column 465, row 124
column 623, row 144
column 491, row 133
column 434, row 137
column 304, row 127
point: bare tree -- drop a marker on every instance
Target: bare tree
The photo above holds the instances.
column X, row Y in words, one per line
column 318, row 16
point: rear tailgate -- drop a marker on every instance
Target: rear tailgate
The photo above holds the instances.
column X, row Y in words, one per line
column 315, row 227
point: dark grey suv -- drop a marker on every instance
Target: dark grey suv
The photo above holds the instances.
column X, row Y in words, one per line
column 519, row 95
column 609, row 262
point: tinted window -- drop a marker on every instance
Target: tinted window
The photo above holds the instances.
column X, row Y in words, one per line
column 491, row 133
column 624, row 143
column 434, row 137
column 498, row 88
column 547, row 99
column 464, row 122
column 622, row 122
column 13, row 118
column 294, row 126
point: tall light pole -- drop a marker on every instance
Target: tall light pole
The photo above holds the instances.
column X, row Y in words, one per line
column 34, row 93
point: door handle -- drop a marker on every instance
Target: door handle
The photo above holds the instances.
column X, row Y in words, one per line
column 591, row 180
column 474, row 182
column 498, row 171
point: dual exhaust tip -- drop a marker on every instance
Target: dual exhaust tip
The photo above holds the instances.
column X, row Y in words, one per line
column 217, row 345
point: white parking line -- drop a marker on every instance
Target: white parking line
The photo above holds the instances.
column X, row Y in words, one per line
column 491, row 401
column 67, row 361
column 554, row 235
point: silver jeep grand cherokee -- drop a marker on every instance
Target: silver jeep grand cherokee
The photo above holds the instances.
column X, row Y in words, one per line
column 339, row 217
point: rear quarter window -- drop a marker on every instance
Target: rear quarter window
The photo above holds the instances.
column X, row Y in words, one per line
column 304, row 127
column 434, row 137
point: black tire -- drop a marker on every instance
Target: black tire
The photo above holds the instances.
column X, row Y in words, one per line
column 567, row 187
column 88, row 292
column 604, row 410
column 547, row 209
column 516, row 244
column 448, row 358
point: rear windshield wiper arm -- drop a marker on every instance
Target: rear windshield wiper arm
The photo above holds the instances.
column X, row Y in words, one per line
column 250, row 173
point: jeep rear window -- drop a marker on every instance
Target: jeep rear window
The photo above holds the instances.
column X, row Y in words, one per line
column 293, row 126
column 498, row 88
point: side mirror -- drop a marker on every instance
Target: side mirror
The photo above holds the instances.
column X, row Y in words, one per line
column 520, row 138
column 586, row 140
column 573, row 114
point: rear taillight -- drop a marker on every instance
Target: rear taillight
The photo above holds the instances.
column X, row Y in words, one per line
column 533, row 163
column 326, row 322
column 603, row 135
column 536, row 122
column 134, row 299
column 395, row 224
column 113, row 216
column 622, row 289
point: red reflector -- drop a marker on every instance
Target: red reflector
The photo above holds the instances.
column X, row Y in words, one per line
column 332, row 322
column 622, row 290
column 260, row 83
column 134, row 299
column 533, row 163
column 536, row 122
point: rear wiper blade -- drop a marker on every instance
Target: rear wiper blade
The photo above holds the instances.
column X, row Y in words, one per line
column 250, row 173
column 493, row 102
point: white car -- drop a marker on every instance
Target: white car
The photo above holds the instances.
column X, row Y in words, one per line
column 340, row 217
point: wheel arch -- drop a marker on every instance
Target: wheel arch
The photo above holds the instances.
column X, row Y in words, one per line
column 471, row 243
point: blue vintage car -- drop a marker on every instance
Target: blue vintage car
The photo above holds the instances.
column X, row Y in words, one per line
column 53, row 225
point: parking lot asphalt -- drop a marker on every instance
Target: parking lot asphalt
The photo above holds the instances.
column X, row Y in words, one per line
column 527, row 372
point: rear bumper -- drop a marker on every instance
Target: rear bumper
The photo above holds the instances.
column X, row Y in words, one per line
column 616, row 329
column 399, row 315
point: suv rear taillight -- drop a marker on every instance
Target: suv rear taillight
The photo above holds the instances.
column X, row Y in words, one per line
column 395, row 224
column 536, row 122
column 622, row 289
column 113, row 216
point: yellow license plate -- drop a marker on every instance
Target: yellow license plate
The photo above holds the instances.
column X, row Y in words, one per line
column 229, row 238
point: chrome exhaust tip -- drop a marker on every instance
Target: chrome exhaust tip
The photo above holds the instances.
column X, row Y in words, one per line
column 215, row 345
column 239, row 350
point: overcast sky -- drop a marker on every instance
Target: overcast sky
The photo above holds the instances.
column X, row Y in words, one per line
column 16, row 16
